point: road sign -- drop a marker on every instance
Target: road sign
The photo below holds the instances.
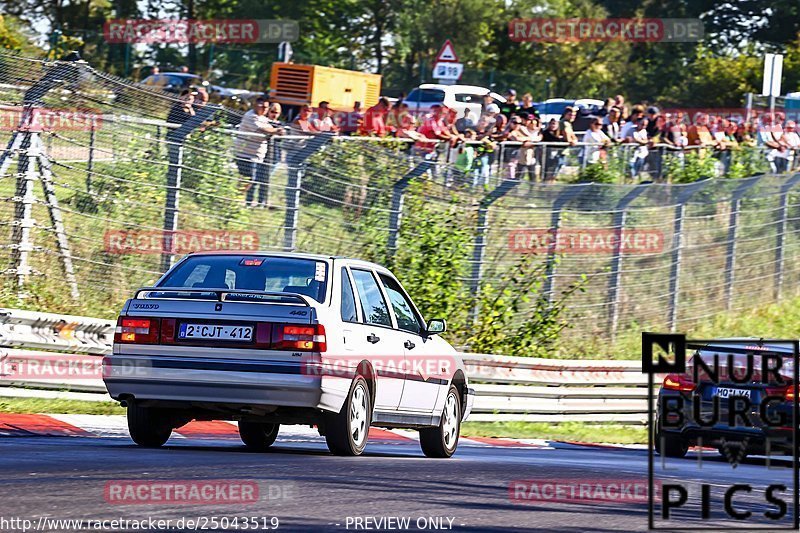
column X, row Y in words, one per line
column 773, row 69
column 448, row 71
column 447, row 54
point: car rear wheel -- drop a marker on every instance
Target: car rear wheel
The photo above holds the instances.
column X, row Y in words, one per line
column 346, row 432
column 442, row 441
column 258, row 436
column 671, row 445
column 149, row 426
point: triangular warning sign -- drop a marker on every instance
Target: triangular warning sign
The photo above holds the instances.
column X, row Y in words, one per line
column 447, row 54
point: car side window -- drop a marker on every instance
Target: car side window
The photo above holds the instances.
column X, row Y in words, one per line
column 348, row 308
column 403, row 310
column 372, row 303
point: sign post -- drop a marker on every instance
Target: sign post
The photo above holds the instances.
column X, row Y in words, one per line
column 447, row 69
column 773, row 69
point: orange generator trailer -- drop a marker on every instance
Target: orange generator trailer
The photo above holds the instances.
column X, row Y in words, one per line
column 294, row 85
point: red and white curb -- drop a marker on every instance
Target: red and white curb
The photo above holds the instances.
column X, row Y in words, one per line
column 115, row 426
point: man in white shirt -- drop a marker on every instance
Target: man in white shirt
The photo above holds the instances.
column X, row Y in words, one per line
column 250, row 148
column 323, row 119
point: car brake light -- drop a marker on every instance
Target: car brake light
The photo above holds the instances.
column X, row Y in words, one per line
column 787, row 393
column 678, row 382
column 304, row 338
column 136, row 330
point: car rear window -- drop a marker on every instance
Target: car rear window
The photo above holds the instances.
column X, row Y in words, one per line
column 425, row 96
column 257, row 273
column 554, row 108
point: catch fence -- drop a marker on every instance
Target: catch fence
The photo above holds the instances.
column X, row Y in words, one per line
column 93, row 209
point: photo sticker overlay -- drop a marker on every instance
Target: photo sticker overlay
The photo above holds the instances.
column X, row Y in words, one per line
column 723, row 439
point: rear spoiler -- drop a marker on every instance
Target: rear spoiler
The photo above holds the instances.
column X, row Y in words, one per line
column 221, row 295
column 743, row 348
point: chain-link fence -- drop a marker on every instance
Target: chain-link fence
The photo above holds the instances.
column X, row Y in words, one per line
column 96, row 205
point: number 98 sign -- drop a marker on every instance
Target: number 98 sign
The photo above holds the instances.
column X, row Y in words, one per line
column 448, row 71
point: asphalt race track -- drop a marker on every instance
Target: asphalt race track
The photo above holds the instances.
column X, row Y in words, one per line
column 306, row 488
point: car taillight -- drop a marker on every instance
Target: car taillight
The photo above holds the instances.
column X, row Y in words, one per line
column 787, row 392
column 310, row 338
column 136, row 330
column 678, row 382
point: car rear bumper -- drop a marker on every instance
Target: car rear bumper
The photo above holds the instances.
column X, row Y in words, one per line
column 222, row 382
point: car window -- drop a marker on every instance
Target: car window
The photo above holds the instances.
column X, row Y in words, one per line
column 403, row 310
column 554, row 108
column 372, row 303
column 468, row 98
column 425, row 96
column 348, row 307
column 154, row 80
column 259, row 273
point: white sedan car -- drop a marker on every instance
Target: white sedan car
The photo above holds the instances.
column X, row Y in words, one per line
column 285, row 338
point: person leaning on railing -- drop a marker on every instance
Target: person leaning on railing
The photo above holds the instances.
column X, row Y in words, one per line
column 250, row 149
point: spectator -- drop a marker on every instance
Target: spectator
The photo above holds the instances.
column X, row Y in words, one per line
column 510, row 106
column 185, row 69
column 351, row 120
column 527, row 106
column 639, row 137
column 323, row 119
column 407, row 129
column 653, row 123
column 611, row 125
column 565, row 125
column 699, row 134
column 433, row 128
column 619, row 103
column 596, row 141
column 155, row 70
column 552, row 158
column 394, row 118
column 250, row 149
column 303, row 121
column 465, row 123
column 183, row 109
column 791, row 140
column 465, row 157
column 606, row 109
column 490, row 114
column 375, row 119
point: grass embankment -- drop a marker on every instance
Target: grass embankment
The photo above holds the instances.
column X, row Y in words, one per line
column 54, row 406
column 778, row 321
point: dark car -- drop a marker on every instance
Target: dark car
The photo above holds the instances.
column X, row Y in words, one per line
column 172, row 82
column 749, row 409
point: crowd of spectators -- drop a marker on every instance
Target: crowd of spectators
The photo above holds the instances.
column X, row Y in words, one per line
column 509, row 136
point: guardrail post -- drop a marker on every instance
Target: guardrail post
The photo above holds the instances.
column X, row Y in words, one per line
column 780, row 232
column 479, row 245
column 396, row 211
column 677, row 250
column 569, row 194
column 614, row 283
column 295, row 164
column 733, row 228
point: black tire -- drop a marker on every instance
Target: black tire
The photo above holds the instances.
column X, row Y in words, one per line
column 671, row 445
column 258, row 436
column 440, row 441
column 149, row 426
column 341, row 435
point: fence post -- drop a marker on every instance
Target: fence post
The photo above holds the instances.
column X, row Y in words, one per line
column 733, row 229
column 782, row 217
column 614, row 283
column 90, row 162
column 396, row 211
column 23, row 209
column 677, row 250
column 295, row 165
column 567, row 195
column 479, row 245
column 174, row 175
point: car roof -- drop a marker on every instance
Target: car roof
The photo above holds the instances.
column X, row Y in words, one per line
column 181, row 74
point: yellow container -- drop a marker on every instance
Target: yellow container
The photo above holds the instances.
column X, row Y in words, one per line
column 311, row 84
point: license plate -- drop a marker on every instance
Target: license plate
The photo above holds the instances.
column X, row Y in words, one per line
column 726, row 392
column 216, row 332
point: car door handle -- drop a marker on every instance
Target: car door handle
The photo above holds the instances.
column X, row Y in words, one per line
column 409, row 345
column 373, row 338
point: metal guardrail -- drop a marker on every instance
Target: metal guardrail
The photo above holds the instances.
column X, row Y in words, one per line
column 507, row 388
column 50, row 331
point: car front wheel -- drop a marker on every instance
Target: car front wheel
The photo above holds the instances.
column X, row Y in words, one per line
column 149, row 426
column 671, row 445
column 346, row 432
column 441, row 441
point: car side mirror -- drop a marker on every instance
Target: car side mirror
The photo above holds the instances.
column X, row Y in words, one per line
column 436, row 326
